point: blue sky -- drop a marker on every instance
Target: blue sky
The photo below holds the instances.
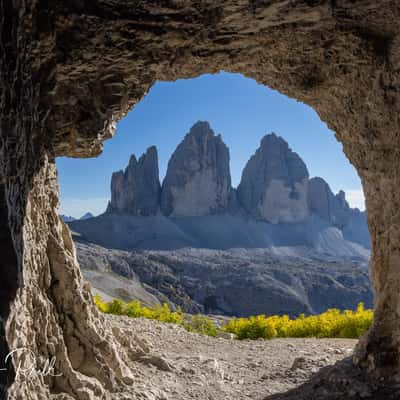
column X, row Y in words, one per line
column 238, row 108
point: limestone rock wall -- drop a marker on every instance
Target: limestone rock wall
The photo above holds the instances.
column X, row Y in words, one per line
column 198, row 180
column 56, row 305
column 274, row 183
column 332, row 208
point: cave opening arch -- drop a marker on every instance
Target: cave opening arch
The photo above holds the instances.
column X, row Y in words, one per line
column 137, row 182
column 66, row 82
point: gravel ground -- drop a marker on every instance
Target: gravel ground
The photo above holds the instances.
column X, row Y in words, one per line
column 183, row 365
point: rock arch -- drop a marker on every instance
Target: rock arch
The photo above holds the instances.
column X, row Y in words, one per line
column 70, row 69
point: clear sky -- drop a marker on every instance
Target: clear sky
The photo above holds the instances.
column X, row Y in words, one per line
column 238, row 108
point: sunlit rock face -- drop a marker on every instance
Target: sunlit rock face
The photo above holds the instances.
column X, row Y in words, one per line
column 136, row 190
column 274, row 183
column 198, row 180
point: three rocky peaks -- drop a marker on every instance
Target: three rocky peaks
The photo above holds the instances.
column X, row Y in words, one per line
column 275, row 185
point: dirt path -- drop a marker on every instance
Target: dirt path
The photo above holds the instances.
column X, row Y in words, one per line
column 182, row 365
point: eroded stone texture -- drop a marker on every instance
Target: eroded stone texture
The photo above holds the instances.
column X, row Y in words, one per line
column 46, row 308
column 53, row 313
column 8, row 287
column 70, row 70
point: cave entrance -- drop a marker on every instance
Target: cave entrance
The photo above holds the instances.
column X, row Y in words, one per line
column 71, row 71
column 217, row 225
column 195, row 198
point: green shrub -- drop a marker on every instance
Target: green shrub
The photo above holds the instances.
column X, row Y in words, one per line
column 134, row 309
column 201, row 324
column 163, row 313
column 116, row 307
column 101, row 305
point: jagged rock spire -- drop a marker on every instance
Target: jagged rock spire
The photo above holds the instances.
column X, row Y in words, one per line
column 136, row 190
column 198, row 180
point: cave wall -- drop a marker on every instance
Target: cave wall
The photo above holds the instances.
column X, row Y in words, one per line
column 70, row 69
column 8, row 288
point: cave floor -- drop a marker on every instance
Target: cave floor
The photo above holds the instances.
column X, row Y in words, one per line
column 183, row 365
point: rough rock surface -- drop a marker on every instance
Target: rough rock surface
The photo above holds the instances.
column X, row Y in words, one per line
column 274, row 183
column 73, row 332
column 332, row 208
column 323, row 202
column 198, row 180
column 217, row 368
column 70, row 70
column 187, row 366
column 136, row 190
column 238, row 282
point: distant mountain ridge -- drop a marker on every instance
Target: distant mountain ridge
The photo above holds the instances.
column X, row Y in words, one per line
column 278, row 243
column 86, row 216
column 274, row 201
column 68, row 218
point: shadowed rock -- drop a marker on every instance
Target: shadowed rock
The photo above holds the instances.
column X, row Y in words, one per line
column 331, row 208
column 136, row 190
column 335, row 210
column 340, row 381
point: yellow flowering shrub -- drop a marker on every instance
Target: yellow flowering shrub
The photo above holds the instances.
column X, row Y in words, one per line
column 331, row 324
column 135, row 309
column 201, row 324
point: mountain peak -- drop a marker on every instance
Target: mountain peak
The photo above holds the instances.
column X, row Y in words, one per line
column 87, row 216
column 67, row 218
column 136, row 190
column 198, row 180
column 272, row 138
column 200, row 132
column 274, row 182
column 275, row 185
column 201, row 126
